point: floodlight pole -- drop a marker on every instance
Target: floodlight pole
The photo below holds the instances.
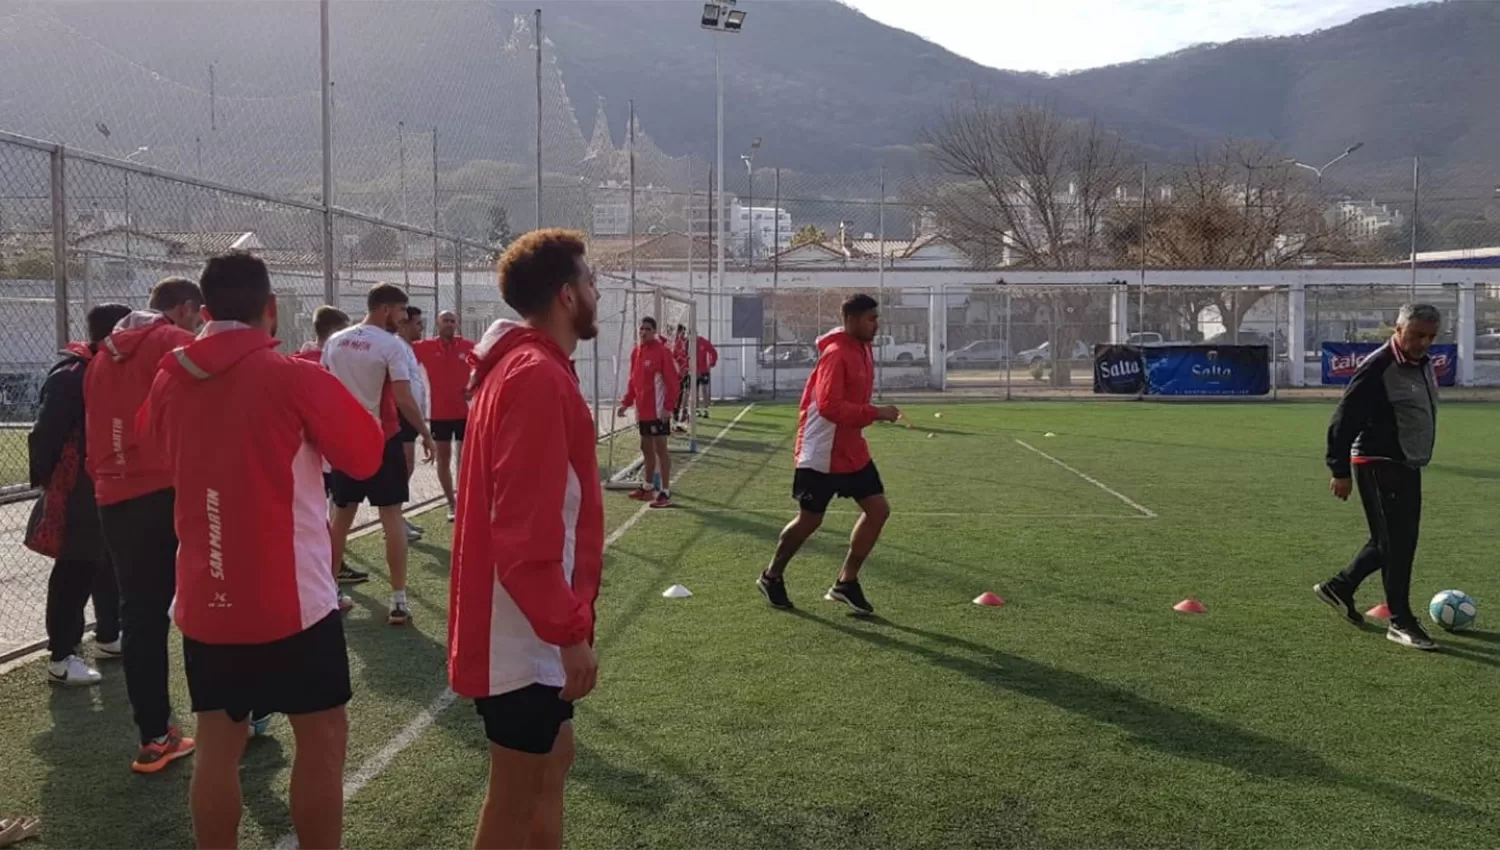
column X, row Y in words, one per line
column 719, row 205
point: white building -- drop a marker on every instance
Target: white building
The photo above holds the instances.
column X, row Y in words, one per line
column 1365, row 219
column 762, row 231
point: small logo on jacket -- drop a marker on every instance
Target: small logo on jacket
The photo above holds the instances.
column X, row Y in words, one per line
column 117, row 439
column 215, row 537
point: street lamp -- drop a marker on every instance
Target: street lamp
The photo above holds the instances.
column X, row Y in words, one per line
column 719, row 17
column 1319, row 171
column 749, row 161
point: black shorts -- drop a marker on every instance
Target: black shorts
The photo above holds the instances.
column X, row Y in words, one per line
column 448, row 430
column 385, row 488
column 813, row 490
column 655, row 427
column 408, row 432
column 703, row 379
column 525, row 720
column 302, row 674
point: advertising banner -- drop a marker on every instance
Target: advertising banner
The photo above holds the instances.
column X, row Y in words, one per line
column 1118, row 370
column 1340, row 359
column 1211, row 370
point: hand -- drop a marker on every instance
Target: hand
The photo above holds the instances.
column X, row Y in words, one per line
column 620, row 412
column 1341, row 488
column 581, row 669
column 429, row 449
column 889, row 413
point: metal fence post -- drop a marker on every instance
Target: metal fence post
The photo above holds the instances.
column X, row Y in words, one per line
column 458, row 285
column 60, row 244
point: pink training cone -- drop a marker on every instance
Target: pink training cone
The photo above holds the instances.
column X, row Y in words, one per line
column 989, row 600
column 1190, row 606
column 1379, row 612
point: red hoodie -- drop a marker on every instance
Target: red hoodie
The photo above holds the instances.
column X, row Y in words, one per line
column 528, row 543
column 114, row 387
column 447, row 365
column 244, row 430
column 708, row 356
column 836, row 406
column 653, row 386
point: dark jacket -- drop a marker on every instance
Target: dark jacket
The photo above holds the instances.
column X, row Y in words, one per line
column 56, row 446
column 1388, row 413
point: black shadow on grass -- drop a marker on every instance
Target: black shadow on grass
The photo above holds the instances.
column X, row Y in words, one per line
column 1486, row 637
column 1466, row 471
column 1168, row 729
column 621, row 785
column 88, row 783
column 265, row 805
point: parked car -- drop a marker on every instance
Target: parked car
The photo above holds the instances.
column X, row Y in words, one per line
column 984, row 352
column 1043, row 353
column 887, row 350
column 788, row 354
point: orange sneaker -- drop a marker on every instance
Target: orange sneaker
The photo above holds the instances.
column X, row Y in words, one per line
column 158, row 754
column 641, row 494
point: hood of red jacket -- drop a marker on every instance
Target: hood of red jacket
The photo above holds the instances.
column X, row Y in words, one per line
column 77, row 351
column 501, row 338
column 838, row 337
column 217, row 348
column 130, row 332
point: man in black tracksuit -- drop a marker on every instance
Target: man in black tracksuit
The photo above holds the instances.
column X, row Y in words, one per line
column 1381, row 436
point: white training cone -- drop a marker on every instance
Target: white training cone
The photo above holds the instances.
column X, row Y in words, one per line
column 1049, row 434
column 677, row 591
column 937, row 416
column 930, row 436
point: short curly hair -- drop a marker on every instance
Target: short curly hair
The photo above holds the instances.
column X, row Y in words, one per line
column 537, row 266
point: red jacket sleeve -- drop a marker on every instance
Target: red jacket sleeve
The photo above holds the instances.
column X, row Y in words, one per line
column 673, row 378
column 630, row 388
column 336, row 423
column 713, row 353
column 829, row 394
column 150, row 420
column 532, row 474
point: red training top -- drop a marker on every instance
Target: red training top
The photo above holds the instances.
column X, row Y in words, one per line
column 447, row 365
column 653, row 386
column 836, row 406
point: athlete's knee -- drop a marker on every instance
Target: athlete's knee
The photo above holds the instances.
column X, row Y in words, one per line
column 876, row 509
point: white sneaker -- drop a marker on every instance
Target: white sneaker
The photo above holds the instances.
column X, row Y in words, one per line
column 113, row 649
column 346, row 602
column 72, row 672
column 450, row 515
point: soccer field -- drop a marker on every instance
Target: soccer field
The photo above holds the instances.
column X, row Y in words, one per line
column 1085, row 712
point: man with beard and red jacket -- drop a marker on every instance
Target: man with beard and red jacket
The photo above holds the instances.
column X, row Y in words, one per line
column 257, row 603
column 652, row 391
column 833, row 458
column 64, row 523
column 133, row 485
column 528, row 544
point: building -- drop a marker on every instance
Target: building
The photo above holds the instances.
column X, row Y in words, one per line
column 657, row 209
column 1364, row 220
column 758, row 232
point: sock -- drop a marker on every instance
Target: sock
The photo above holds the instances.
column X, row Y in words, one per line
column 398, row 598
column 656, row 480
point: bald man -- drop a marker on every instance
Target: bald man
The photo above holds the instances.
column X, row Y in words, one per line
column 446, row 359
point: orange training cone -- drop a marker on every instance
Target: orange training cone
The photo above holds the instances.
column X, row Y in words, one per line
column 1379, row 612
column 989, row 600
column 1190, row 606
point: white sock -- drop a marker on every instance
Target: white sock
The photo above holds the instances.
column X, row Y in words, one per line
column 398, row 598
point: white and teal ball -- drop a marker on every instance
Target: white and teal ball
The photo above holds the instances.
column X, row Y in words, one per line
column 1453, row 610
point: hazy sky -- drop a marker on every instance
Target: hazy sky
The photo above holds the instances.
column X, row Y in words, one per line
column 1062, row 35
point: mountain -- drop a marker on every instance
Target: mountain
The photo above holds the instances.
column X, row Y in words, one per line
column 828, row 90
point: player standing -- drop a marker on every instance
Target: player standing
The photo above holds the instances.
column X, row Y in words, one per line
column 133, row 486
column 833, row 458
column 528, row 545
column 372, row 363
column 708, row 358
column 1381, row 436
column 244, row 430
column 409, row 331
column 446, row 359
column 652, row 391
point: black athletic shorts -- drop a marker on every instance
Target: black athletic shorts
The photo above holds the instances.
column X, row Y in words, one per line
column 301, row 674
column 385, row 488
column 525, row 720
column 655, row 427
column 408, row 432
column 813, row 490
column 703, row 379
column 448, row 430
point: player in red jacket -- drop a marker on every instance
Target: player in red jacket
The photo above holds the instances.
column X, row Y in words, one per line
column 833, row 458
column 652, row 391
column 133, row 487
column 446, row 359
column 244, row 431
column 528, row 545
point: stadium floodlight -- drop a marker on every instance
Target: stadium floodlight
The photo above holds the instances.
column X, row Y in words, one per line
column 720, row 16
column 734, row 21
column 711, row 16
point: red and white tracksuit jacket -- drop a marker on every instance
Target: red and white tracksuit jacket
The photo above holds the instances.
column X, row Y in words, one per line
column 528, row 542
column 244, row 430
column 708, row 356
column 836, row 406
column 654, row 382
column 115, row 385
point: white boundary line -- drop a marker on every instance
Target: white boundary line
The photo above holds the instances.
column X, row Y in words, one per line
column 372, row 767
column 1146, row 512
column 897, row 513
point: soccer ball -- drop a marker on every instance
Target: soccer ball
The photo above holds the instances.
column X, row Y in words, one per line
column 1453, row 610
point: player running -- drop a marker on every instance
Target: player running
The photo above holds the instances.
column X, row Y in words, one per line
column 133, row 486
column 528, row 545
column 833, row 458
column 372, row 363
column 244, row 430
column 652, row 391
column 446, row 359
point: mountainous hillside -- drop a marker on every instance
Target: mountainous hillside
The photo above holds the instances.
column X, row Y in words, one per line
column 829, row 90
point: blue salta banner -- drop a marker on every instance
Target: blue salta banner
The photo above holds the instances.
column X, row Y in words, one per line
column 1207, row 369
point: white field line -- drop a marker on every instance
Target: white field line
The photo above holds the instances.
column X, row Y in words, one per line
column 1144, row 511
column 897, row 513
column 375, row 765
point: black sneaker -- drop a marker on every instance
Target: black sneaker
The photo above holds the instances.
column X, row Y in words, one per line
column 1410, row 635
column 399, row 616
column 1340, row 600
column 774, row 589
column 349, row 575
column 851, row 594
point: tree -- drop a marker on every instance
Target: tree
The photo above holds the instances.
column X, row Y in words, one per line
column 809, row 235
column 499, row 233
